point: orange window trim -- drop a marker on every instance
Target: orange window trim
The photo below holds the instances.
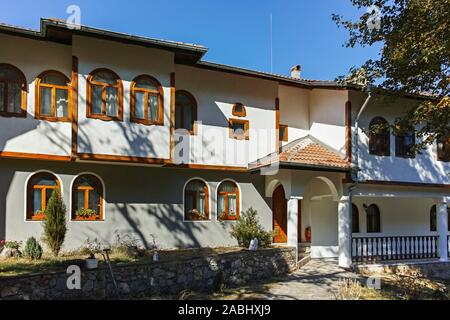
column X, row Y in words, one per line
column 87, row 191
column 232, row 133
column 147, row 93
column 236, row 113
column 194, row 195
column 30, row 193
column 118, row 86
column 285, row 136
column 226, row 215
column 5, row 112
column 194, row 111
column 40, row 85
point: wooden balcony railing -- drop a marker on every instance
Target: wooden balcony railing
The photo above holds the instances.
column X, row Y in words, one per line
column 372, row 249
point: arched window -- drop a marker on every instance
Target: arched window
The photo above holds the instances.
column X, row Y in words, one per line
column 147, row 101
column 39, row 190
column 104, row 95
column 405, row 140
column 239, row 110
column 185, row 111
column 379, row 137
column 13, row 91
column 53, row 96
column 373, row 219
column 228, row 201
column 196, row 201
column 443, row 148
column 87, row 198
column 355, row 219
column 433, row 219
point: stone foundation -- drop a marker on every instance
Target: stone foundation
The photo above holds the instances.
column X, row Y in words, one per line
column 433, row 269
column 153, row 279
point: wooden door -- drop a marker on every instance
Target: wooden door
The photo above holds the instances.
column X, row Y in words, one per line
column 279, row 210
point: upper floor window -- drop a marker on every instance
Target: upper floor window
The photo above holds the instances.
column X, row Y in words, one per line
column 239, row 110
column 104, row 95
column 147, row 101
column 228, row 201
column 239, row 129
column 185, row 111
column 13, row 91
column 87, row 198
column 373, row 219
column 196, row 201
column 443, row 148
column 53, row 96
column 405, row 140
column 283, row 133
column 355, row 219
column 379, row 137
column 39, row 190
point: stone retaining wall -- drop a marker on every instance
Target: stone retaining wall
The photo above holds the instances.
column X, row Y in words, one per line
column 433, row 269
column 160, row 278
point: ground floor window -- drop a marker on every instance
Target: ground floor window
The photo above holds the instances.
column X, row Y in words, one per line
column 228, row 201
column 196, row 201
column 373, row 219
column 355, row 219
column 87, row 198
column 39, row 190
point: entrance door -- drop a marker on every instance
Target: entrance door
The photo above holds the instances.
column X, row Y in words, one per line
column 279, row 210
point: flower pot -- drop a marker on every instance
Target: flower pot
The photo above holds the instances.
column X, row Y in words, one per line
column 92, row 218
column 91, row 263
column 38, row 217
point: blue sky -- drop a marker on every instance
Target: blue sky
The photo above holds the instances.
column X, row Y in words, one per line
column 236, row 32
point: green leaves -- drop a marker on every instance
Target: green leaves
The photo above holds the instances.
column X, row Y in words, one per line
column 55, row 222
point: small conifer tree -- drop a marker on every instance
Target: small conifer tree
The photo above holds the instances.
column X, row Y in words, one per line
column 55, row 222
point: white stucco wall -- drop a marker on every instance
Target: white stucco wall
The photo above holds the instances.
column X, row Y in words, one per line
column 216, row 93
column 122, row 138
column 28, row 135
column 423, row 168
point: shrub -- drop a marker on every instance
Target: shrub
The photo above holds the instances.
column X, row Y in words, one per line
column 248, row 228
column 32, row 249
column 349, row 289
column 55, row 222
column 12, row 244
column 85, row 213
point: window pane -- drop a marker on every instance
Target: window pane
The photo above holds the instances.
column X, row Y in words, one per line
column 105, row 76
column 189, row 203
column 228, row 186
column 153, row 111
column 221, row 204
column 10, row 74
column 97, row 100
column 80, row 199
column 2, row 95
column 46, row 101
column 238, row 129
column 146, row 83
column 37, row 200
column 178, row 116
column 62, row 109
column 139, row 105
column 112, row 99
column 14, row 97
column 48, row 194
column 44, row 181
column 201, row 205
column 188, row 117
column 55, row 79
column 94, row 201
column 232, row 204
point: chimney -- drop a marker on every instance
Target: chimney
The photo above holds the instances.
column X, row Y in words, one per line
column 296, row 71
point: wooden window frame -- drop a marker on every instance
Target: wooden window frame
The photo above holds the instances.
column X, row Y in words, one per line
column 236, row 113
column 355, row 225
column 40, row 85
column 87, row 190
column 30, row 214
column 446, row 143
column 386, row 150
column 226, row 216
column 367, row 219
column 23, row 106
column 194, row 111
column 232, row 135
column 147, row 92
column 400, row 149
column 118, row 86
column 195, row 194
column 285, row 137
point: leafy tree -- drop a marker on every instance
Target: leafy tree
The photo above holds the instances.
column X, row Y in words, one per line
column 55, row 222
column 414, row 59
column 248, row 228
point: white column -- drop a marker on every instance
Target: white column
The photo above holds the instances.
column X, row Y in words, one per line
column 292, row 227
column 345, row 232
column 442, row 228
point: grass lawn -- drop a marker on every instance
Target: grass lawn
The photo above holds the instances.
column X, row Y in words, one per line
column 48, row 263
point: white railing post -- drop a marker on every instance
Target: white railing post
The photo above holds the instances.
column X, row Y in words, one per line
column 345, row 232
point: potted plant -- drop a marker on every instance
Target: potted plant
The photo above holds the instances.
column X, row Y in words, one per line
column 93, row 247
column 38, row 215
column 85, row 214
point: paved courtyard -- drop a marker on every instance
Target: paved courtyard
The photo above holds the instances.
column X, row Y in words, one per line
column 317, row 280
